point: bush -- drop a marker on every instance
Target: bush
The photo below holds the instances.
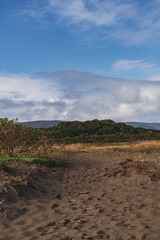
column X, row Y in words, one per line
column 15, row 138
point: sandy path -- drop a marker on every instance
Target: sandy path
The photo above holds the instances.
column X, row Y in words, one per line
column 87, row 200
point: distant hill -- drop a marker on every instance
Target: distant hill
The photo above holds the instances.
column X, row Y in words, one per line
column 41, row 124
column 155, row 126
column 51, row 123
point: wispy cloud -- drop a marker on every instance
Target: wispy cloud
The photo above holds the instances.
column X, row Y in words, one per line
column 104, row 13
column 127, row 65
column 154, row 77
column 37, row 10
column 70, row 95
column 132, row 22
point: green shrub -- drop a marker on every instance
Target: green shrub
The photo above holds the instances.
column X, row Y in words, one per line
column 15, row 138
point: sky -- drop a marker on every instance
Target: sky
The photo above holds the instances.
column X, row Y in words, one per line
column 80, row 60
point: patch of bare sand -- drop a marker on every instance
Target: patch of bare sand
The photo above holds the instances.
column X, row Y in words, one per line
column 108, row 195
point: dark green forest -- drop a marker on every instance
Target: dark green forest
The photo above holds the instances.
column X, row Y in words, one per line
column 94, row 131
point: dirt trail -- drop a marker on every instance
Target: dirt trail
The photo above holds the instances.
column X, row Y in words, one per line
column 97, row 196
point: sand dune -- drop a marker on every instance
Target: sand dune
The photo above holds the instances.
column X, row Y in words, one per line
column 97, row 196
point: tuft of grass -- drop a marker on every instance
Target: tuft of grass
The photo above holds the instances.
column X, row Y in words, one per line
column 146, row 146
column 75, row 147
column 48, row 162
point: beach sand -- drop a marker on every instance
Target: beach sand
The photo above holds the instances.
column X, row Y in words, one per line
column 103, row 195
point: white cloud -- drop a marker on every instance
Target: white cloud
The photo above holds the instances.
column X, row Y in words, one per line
column 127, row 65
column 70, row 95
column 104, row 97
column 27, row 98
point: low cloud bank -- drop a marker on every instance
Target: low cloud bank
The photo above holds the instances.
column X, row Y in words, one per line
column 70, row 95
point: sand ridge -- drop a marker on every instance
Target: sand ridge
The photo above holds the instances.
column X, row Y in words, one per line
column 97, row 196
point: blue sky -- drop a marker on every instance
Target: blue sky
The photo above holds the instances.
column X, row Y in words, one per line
column 80, row 59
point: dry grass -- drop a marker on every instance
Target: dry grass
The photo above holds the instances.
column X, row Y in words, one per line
column 144, row 146
column 75, row 147
column 86, row 147
column 58, row 151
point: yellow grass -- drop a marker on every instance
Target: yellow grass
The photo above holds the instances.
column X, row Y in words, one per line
column 75, row 147
column 85, row 147
column 147, row 145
